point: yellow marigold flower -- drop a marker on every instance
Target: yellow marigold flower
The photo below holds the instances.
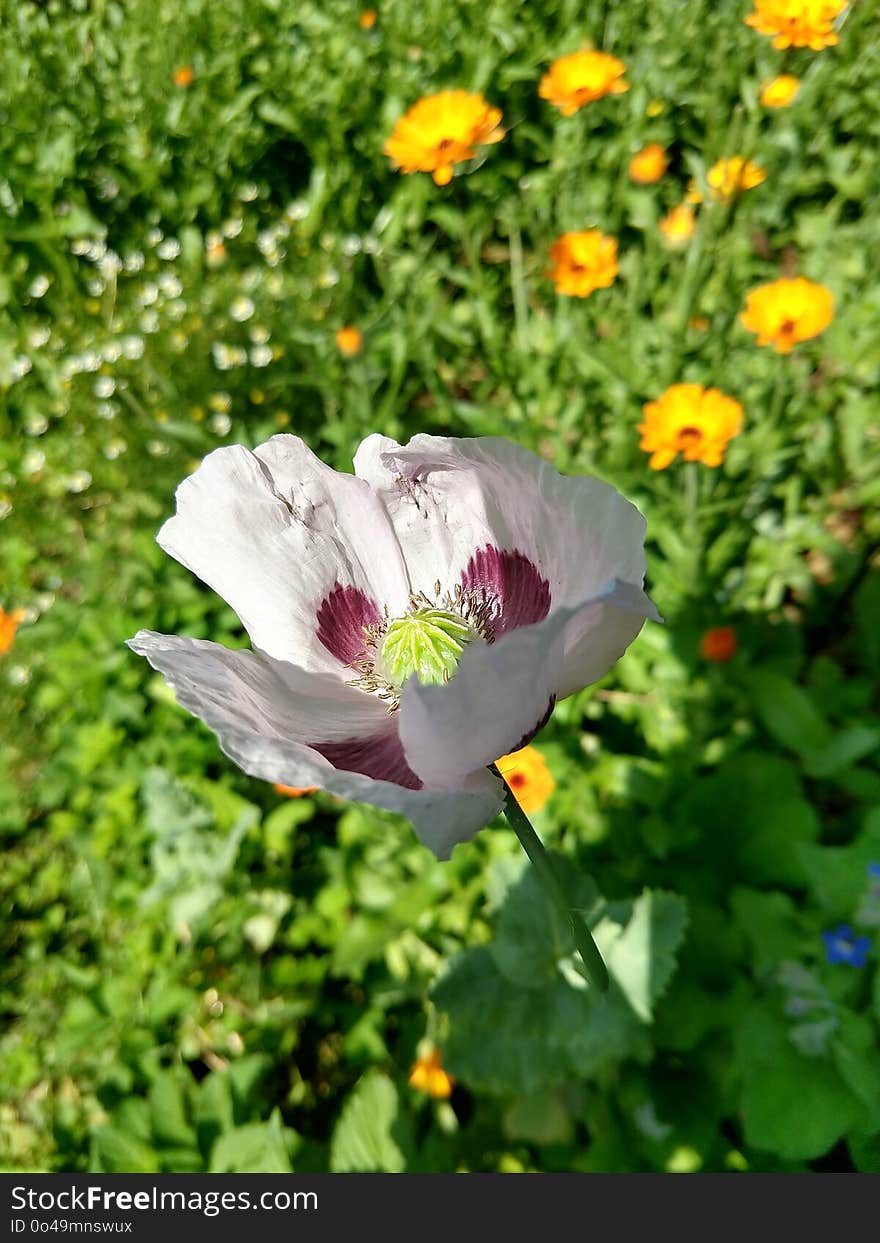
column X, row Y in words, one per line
column 654, row 108
column 797, row 23
column 582, row 262
column 527, row 774
column 787, row 311
column 349, row 340
column 678, row 225
column 780, row 92
column 367, row 19
column 649, row 164
column 719, row 644
column 580, row 78
column 184, row 76
column 692, row 420
column 733, row 175
column 427, row 1075
column 441, row 131
column 293, row 791
column 9, row 623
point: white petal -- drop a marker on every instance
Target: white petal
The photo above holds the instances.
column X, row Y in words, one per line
column 263, row 710
column 273, row 531
column 599, row 634
column 447, row 498
column 501, row 692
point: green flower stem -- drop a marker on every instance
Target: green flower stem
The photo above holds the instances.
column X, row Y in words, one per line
column 597, row 972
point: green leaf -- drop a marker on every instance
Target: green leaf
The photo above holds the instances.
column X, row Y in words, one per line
column 788, row 712
column 119, row 1152
column 171, row 1128
column 509, row 1040
column 838, row 875
column 795, row 1106
column 751, row 814
column 257, row 1148
column 770, row 923
column 539, row 1119
column 642, row 956
column 367, row 1137
column 841, row 751
column 531, row 936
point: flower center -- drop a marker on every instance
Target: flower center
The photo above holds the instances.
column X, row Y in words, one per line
column 427, row 643
column 445, row 143
column 689, row 436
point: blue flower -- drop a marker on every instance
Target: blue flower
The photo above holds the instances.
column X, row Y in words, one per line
column 842, row 945
column 874, row 870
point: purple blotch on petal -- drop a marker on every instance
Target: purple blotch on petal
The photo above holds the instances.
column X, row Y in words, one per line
column 341, row 618
column 379, row 756
column 527, row 737
column 511, row 584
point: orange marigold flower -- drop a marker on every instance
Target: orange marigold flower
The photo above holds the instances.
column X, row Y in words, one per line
column 293, row 791
column 719, row 644
column 9, row 623
column 780, row 92
column 349, row 340
column 367, row 19
column 733, row 175
column 692, row 420
column 580, row 78
column 787, row 311
column 527, row 774
column 678, row 226
column 797, row 23
column 649, row 164
column 183, row 75
column 582, row 262
column 441, row 131
column 427, row 1075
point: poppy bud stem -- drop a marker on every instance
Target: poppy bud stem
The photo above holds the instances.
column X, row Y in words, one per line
column 597, row 972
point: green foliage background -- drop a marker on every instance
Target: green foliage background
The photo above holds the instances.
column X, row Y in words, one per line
column 200, row 975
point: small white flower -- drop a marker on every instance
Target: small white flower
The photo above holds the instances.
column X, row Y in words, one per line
column 171, row 285
column 79, row 481
column 104, row 386
column 134, row 262
column 168, row 249
column 242, row 308
column 110, row 265
column 261, row 355
column 232, row 227
column 220, row 424
column 148, row 294
column 248, row 192
column 39, row 336
column 132, row 346
column 38, row 286
column 149, row 322
column 35, row 424
column 410, row 623
column 33, row 462
column 154, row 236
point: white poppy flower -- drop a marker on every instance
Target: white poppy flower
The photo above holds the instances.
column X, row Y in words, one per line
column 410, row 623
